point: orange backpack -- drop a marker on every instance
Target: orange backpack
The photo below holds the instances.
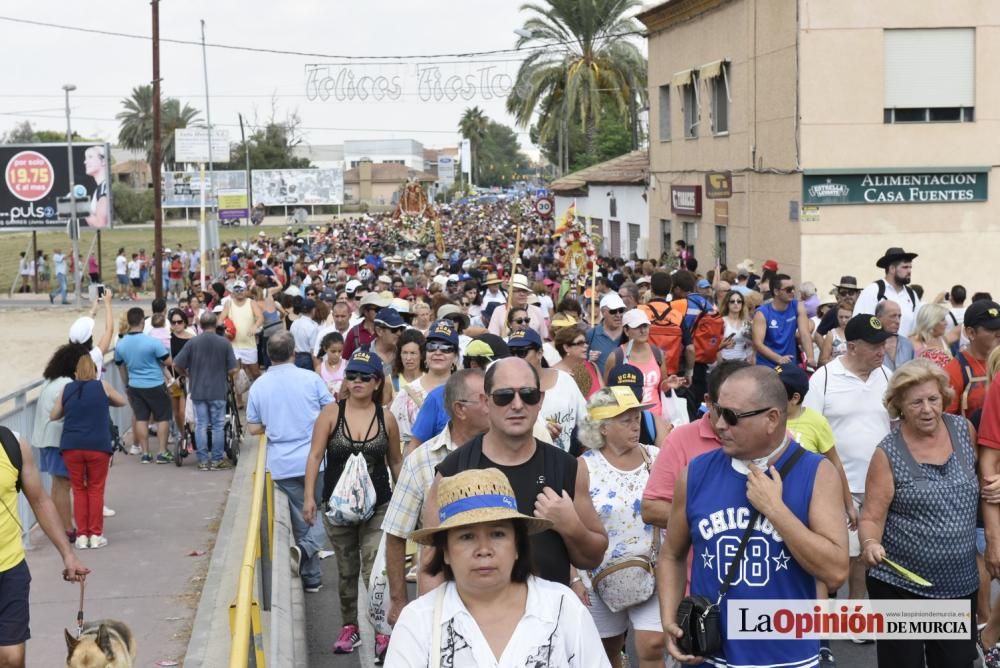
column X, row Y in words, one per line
column 707, row 337
column 665, row 332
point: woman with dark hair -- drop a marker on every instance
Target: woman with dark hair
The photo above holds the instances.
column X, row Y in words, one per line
column 441, row 354
column 410, row 362
column 571, row 344
column 48, row 432
column 490, row 605
column 354, row 424
column 86, row 447
column 179, row 335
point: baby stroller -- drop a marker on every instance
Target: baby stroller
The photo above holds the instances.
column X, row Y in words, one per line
column 232, row 430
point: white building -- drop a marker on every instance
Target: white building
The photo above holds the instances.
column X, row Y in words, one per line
column 611, row 196
column 407, row 152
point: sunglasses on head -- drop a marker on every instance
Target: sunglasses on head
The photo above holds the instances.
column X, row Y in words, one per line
column 352, row 376
column 732, row 418
column 440, row 346
column 522, row 351
column 529, row 395
column 521, row 321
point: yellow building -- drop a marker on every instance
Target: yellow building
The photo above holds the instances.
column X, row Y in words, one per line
column 818, row 134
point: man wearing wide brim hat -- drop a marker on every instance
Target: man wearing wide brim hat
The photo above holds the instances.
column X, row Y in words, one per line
column 846, row 289
column 363, row 333
column 494, row 291
column 898, row 266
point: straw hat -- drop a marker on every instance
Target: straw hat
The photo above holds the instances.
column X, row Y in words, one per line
column 476, row 496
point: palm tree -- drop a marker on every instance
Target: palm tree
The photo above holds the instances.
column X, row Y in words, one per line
column 136, row 130
column 473, row 126
column 583, row 60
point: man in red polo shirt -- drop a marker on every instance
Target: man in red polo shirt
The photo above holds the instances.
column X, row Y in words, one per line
column 682, row 445
column 967, row 370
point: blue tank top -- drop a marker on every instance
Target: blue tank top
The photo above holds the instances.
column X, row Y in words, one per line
column 780, row 333
column 717, row 514
column 87, row 423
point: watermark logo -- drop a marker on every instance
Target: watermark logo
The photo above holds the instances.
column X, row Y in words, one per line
column 845, row 619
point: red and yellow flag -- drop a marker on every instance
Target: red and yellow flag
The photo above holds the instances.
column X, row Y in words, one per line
column 568, row 218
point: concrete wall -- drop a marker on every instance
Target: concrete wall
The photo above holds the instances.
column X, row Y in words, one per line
column 759, row 40
column 842, row 98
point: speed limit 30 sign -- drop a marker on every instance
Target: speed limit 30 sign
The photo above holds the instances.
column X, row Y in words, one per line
column 543, row 207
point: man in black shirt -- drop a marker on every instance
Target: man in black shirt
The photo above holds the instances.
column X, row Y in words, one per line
column 546, row 480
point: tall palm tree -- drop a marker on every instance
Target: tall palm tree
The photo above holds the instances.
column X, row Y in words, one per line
column 136, row 129
column 583, row 59
column 473, row 125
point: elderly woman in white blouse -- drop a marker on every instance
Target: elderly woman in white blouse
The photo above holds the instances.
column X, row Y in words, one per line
column 490, row 611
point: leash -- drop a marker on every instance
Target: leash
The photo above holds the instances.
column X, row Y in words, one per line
column 79, row 614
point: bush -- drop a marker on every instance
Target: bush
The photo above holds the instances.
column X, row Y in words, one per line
column 131, row 205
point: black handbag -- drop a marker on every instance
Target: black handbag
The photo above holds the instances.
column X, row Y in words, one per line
column 698, row 616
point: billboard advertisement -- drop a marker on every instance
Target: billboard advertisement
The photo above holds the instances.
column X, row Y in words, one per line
column 182, row 190
column 294, row 187
column 37, row 175
column 446, row 171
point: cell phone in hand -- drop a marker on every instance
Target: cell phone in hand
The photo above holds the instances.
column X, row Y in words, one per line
column 100, row 292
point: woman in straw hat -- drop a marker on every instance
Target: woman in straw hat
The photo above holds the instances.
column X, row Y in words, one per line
column 490, row 611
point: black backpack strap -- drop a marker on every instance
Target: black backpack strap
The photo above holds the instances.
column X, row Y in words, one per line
column 881, row 290
column 12, row 447
column 913, row 298
column 554, row 473
column 782, row 473
column 469, row 454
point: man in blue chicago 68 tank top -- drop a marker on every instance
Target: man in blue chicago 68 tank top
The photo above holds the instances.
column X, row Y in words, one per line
column 801, row 536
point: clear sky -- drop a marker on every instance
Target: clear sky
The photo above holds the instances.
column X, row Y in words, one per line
column 39, row 60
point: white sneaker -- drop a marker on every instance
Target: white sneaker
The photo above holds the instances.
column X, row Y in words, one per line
column 108, row 512
column 97, row 542
column 135, row 450
column 82, row 543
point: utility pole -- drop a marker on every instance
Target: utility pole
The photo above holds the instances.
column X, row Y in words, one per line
column 202, row 232
column 157, row 157
column 74, row 222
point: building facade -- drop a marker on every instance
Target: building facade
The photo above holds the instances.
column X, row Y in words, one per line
column 611, row 200
column 407, row 152
column 819, row 134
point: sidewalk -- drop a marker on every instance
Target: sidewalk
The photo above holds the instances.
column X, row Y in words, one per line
column 145, row 577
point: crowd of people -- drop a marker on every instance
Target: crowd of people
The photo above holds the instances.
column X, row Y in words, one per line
column 556, row 461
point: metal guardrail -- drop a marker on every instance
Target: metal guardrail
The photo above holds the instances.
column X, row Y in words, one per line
column 17, row 413
column 246, row 632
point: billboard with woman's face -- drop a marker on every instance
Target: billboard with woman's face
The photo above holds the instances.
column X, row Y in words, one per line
column 35, row 176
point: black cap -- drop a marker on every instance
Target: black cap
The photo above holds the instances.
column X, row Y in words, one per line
column 627, row 375
column 793, row 377
column 983, row 314
column 866, row 327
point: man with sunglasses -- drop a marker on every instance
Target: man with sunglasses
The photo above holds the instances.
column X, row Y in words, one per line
column 848, row 392
column 248, row 317
column 363, row 333
column 547, row 482
column 777, row 324
column 800, row 537
column 519, row 300
column 604, row 338
column 847, row 290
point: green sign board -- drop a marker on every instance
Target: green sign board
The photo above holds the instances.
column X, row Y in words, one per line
column 886, row 186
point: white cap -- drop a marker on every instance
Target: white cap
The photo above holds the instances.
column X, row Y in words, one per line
column 312, row 267
column 352, row 285
column 453, row 278
column 81, row 330
column 293, row 291
column 385, row 278
column 635, row 318
column 400, row 305
column 612, row 301
column 239, row 284
column 644, row 280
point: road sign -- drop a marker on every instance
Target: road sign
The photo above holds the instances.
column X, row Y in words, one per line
column 191, row 145
column 543, row 207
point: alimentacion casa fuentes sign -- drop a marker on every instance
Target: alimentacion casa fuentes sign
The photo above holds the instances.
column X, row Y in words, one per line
column 887, row 186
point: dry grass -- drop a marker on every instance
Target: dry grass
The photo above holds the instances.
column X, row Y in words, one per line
column 12, row 244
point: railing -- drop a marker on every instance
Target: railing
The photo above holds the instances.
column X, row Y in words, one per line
column 246, row 632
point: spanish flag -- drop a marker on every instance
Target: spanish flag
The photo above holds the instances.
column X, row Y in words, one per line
column 568, row 218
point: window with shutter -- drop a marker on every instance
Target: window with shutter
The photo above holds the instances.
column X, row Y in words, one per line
column 930, row 75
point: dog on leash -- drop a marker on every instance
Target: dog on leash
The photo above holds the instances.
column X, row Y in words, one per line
column 102, row 644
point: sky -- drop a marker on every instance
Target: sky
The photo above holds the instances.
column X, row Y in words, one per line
column 104, row 68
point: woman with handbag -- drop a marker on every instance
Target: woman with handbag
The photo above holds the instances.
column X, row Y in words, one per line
column 490, row 610
column 357, row 424
column 623, row 588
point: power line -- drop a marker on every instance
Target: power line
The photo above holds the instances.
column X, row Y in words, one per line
column 309, row 54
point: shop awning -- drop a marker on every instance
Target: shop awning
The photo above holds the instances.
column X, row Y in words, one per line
column 682, row 78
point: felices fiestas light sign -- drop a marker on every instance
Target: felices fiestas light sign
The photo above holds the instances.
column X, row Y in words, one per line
column 895, row 186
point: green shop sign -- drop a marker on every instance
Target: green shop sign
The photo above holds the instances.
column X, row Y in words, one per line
column 894, row 186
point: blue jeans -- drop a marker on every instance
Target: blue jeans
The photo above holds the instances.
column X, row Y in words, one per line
column 309, row 538
column 209, row 415
column 61, row 290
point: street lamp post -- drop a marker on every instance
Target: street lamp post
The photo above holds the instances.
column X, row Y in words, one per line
column 74, row 223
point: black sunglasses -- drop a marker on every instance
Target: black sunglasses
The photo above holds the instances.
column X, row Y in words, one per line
column 617, row 311
column 521, row 321
column 732, row 417
column 176, row 322
column 352, row 376
column 523, row 351
column 440, row 346
column 790, row 289
column 529, row 395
